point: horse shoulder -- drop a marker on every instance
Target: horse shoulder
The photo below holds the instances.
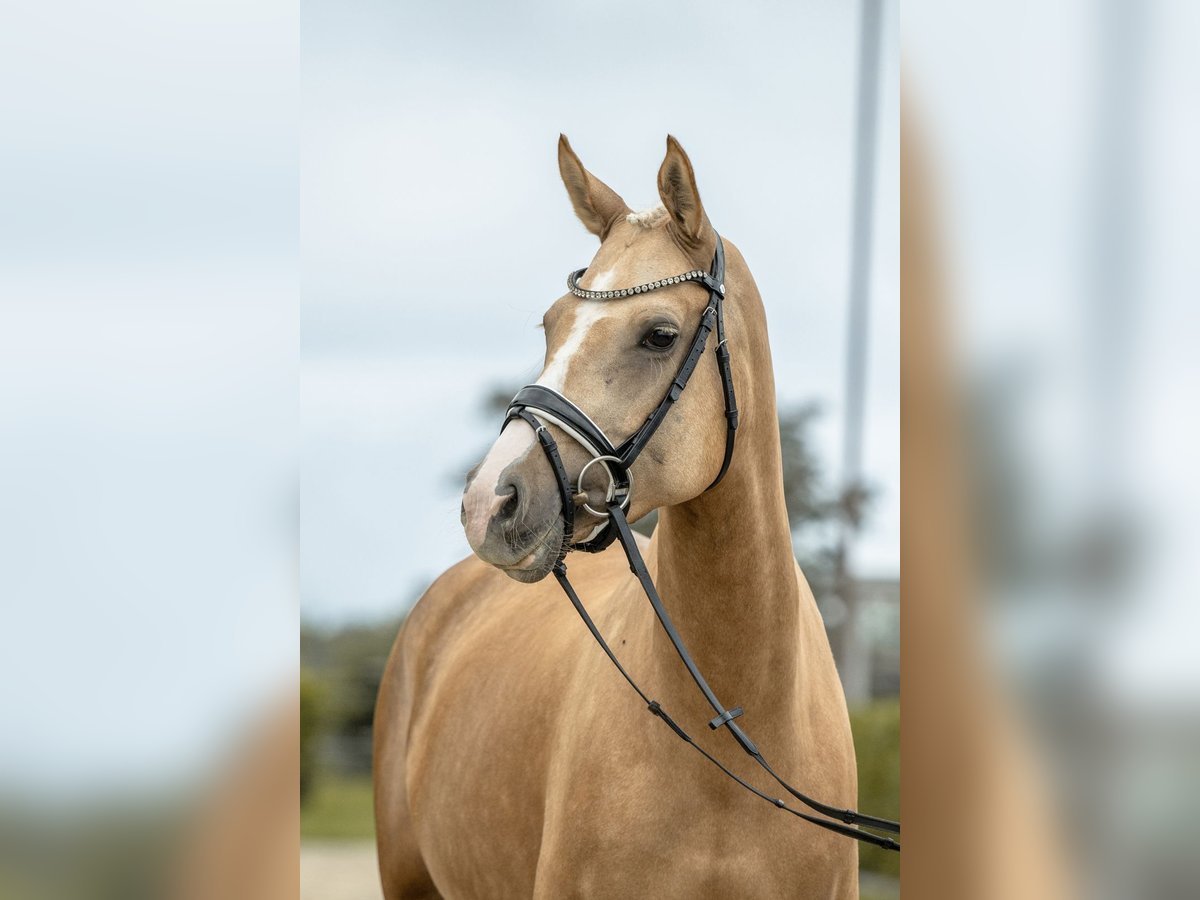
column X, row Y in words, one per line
column 402, row 869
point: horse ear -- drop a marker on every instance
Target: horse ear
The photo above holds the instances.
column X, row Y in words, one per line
column 677, row 188
column 596, row 204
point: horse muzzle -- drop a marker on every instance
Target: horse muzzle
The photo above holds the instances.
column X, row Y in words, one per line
column 513, row 521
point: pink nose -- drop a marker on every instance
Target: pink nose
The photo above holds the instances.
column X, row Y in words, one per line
column 493, row 497
column 486, row 507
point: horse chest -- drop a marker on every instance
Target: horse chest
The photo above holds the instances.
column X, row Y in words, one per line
column 533, row 770
column 632, row 844
column 629, row 816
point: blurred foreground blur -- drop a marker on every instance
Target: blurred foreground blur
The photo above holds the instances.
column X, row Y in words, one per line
column 148, row 380
column 233, row 833
column 1050, row 438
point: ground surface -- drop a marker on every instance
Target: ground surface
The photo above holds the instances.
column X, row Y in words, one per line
column 337, row 850
column 345, row 870
column 338, row 870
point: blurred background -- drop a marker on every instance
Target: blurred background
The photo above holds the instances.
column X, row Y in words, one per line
column 436, row 231
column 148, row 452
column 153, row 434
column 1057, row 145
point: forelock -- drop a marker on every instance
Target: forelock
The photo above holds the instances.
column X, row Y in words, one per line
column 647, row 218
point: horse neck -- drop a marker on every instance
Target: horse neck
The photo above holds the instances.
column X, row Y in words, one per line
column 726, row 571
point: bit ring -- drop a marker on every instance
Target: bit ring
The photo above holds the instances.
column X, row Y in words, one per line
column 611, row 492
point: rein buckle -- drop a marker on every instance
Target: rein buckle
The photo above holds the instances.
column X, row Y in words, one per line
column 725, row 718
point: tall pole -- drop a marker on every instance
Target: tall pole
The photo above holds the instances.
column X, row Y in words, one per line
column 853, row 658
column 1112, row 273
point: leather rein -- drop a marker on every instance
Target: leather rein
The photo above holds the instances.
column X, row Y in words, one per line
column 537, row 405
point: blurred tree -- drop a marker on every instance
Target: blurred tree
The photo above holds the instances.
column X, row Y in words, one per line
column 310, row 723
column 346, row 666
column 877, row 726
column 816, row 510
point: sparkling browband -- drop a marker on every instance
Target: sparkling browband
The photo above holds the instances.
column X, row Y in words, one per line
column 694, row 275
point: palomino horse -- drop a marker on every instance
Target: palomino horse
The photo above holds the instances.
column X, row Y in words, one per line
column 511, row 760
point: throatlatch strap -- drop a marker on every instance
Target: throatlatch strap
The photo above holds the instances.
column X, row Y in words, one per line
column 723, row 364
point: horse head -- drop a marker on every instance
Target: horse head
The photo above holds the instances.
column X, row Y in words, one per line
column 614, row 354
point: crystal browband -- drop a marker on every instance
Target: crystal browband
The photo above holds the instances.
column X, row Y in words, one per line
column 694, row 275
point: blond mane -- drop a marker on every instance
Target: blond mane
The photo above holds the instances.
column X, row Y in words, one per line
column 647, row 218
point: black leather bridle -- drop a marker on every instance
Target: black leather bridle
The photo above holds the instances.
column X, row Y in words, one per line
column 537, row 405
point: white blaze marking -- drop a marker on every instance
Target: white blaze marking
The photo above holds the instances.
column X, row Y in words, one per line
column 602, row 281
column 481, row 501
column 587, row 314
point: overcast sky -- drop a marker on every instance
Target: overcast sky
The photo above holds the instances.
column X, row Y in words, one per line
column 435, row 231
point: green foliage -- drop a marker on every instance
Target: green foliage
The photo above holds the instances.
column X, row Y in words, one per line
column 311, row 695
column 350, row 662
column 347, row 666
column 119, row 845
column 341, row 808
column 877, row 744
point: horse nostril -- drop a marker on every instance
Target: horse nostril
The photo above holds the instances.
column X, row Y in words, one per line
column 509, row 509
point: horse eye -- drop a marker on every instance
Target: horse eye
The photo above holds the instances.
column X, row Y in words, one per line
column 659, row 338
